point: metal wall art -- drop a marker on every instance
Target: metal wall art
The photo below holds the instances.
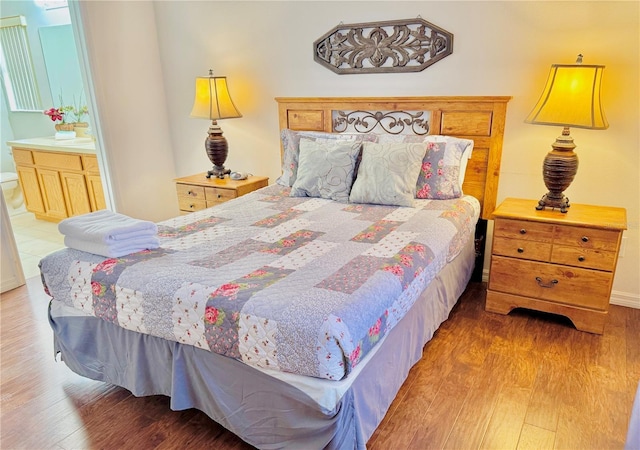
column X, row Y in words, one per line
column 409, row 45
column 392, row 122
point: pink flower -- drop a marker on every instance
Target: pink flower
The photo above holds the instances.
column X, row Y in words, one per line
column 211, row 314
column 288, row 242
column 440, row 172
column 424, row 191
column 375, row 329
column 106, row 266
column 395, row 269
column 355, row 355
column 96, row 288
column 405, row 260
column 227, row 290
column 54, row 114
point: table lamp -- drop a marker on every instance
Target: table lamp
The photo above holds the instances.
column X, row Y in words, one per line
column 212, row 101
column 571, row 98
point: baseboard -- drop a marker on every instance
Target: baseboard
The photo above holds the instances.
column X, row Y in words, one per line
column 485, row 275
column 617, row 297
column 625, row 299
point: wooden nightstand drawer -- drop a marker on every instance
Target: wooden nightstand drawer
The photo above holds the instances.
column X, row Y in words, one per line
column 551, row 282
column 587, row 238
column 191, row 204
column 219, row 195
column 584, row 257
column 521, row 248
column 189, row 191
column 198, row 192
column 522, row 229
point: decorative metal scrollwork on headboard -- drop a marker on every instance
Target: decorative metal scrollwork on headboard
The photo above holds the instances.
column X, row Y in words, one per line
column 409, row 45
column 392, row 122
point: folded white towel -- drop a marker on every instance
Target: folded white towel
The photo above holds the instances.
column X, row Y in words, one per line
column 113, row 250
column 106, row 227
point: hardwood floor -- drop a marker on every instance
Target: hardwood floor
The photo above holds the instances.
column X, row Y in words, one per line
column 526, row 380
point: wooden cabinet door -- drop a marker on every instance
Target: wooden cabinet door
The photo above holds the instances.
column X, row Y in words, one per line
column 30, row 189
column 75, row 192
column 52, row 194
column 96, row 194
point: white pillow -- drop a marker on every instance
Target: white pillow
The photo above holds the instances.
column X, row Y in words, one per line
column 388, row 173
column 326, row 168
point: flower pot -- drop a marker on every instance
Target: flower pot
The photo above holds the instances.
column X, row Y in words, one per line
column 64, row 127
column 81, row 129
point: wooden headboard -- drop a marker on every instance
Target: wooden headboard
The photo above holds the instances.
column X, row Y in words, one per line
column 479, row 118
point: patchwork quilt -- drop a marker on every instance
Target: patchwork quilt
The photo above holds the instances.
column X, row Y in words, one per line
column 296, row 284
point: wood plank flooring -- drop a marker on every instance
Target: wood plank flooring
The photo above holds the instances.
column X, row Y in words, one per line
column 525, row 381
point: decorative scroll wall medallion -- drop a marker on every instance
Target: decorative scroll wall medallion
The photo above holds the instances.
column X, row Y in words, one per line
column 392, row 122
column 409, row 45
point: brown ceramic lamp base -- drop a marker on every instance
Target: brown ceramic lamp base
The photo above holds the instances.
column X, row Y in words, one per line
column 217, row 151
column 558, row 170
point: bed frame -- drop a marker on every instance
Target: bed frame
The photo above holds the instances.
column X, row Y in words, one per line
column 481, row 119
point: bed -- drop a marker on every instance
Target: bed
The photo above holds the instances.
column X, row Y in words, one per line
column 292, row 315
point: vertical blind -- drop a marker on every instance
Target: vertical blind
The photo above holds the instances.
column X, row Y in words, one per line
column 16, row 65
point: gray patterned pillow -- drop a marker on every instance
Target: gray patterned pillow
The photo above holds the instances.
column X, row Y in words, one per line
column 388, row 173
column 326, row 168
column 291, row 149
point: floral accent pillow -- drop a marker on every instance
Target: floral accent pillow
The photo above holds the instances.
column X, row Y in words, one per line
column 291, row 149
column 439, row 172
column 443, row 167
column 387, row 174
column 326, row 168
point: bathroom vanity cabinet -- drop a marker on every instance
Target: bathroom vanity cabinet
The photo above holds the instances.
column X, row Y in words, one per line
column 59, row 179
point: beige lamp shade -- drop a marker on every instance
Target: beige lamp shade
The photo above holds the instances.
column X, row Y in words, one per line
column 571, row 98
column 212, row 99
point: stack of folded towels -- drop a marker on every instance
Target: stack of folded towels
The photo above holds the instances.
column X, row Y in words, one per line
column 109, row 234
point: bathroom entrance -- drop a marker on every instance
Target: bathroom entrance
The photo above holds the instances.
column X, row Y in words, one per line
column 57, row 71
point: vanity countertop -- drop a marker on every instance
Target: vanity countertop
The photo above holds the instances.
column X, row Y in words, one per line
column 77, row 145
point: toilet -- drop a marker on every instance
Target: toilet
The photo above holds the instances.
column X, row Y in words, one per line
column 11, row 191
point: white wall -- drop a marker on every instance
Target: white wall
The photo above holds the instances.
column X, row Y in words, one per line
column 145, row 74
column 122, row 46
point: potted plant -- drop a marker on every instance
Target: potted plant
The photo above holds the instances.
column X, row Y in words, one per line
column 58, row 115
column 70, row 117
column 80, row 126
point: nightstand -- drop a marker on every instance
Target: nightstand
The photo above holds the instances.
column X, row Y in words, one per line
column 561, row 263
column 197, row 192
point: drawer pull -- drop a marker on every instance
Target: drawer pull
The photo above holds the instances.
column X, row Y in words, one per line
column 219, row 196
column 191, row 206
column 189, row 192
column 585, row 239
column 523, row 231
column 581, row 258
column 520, row 250
column 551, row 284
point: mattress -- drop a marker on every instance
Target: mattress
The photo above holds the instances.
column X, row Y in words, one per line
column 293, row 284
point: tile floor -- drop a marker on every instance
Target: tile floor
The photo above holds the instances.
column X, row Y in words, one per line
column 34, row 239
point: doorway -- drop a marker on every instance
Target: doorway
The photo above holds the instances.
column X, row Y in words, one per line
column 36, row 238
